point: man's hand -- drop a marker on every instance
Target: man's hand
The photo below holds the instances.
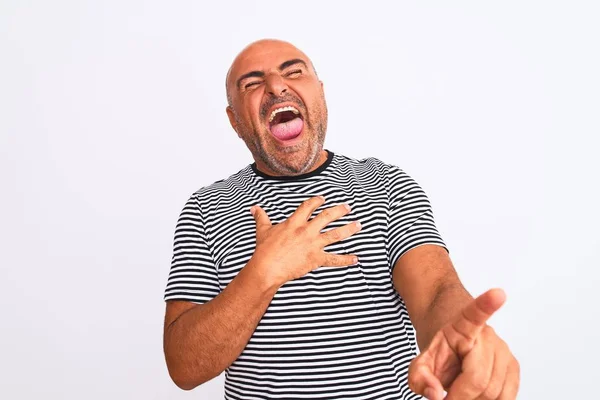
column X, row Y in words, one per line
column 293, row 248
column 467, row 359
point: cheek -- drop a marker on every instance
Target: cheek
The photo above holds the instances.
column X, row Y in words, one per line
column 312, row 98
column 254, row 103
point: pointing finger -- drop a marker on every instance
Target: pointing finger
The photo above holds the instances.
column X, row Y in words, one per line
column 473, row 318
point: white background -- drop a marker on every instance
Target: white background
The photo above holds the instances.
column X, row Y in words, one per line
column 113, row 113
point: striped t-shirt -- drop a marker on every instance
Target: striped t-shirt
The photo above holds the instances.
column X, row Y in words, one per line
column 337, row 332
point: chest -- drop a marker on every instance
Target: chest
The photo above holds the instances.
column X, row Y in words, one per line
column 232, row 229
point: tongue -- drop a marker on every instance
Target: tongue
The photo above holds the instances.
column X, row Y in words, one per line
column 288, row 130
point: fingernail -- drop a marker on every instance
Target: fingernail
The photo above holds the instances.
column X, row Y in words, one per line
column 355, row 259
column 321, row 197
column 252, row 210
column 347, row 207
column 358, row 224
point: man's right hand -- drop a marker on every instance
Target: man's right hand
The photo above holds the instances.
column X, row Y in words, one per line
column 293, row 248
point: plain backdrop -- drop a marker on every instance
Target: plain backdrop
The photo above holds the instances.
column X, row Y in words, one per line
column 112, row 113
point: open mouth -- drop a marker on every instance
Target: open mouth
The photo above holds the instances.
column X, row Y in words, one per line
column 286, row 123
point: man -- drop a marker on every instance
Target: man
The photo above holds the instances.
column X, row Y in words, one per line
column 314, row 293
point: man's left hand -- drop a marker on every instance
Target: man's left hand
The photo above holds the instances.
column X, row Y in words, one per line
column 467, row 359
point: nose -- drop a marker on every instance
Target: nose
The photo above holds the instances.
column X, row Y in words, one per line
column 276, row 85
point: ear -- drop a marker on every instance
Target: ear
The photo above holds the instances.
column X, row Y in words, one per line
column 232, row 120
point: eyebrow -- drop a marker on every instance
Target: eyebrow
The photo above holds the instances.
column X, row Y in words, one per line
column 260, row 74
column 252, row 74
column 289, row 63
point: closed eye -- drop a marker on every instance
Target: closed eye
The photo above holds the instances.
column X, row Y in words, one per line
column 294, row 73
column 250, row 84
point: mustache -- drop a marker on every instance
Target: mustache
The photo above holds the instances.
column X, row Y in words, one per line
column 287, row 98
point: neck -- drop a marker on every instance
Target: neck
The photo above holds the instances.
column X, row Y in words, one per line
column 320, row 160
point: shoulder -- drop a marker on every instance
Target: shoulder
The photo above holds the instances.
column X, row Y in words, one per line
column 211, row 194
column 371, row 164
column 382, row 175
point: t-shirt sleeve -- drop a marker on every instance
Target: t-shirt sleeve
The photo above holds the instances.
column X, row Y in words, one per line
column 193, row 274
column 411, row 216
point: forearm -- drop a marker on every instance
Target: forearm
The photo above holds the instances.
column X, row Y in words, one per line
column 450, row 298
column 206, row 339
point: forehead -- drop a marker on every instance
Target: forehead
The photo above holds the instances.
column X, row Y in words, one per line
column 264, row 57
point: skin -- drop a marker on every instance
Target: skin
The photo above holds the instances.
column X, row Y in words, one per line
column 460, row 353
column 251, row 98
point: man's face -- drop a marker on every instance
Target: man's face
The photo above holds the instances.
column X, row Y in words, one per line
column 278, row 107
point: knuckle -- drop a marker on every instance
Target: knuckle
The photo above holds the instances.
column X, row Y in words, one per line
column 412, row 384
column 328, row 259
column 479, row 381
column 342, row 208
column 517, row 365
column 351, row 228
column 480, row 385
column 493, row 390
column 313, row 201
column 335, row 234
column 327, row 214
column 339, row 261
column 300, row 230
column 415, row 377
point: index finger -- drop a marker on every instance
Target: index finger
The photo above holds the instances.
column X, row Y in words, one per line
column 306, row 209
column 475, row 315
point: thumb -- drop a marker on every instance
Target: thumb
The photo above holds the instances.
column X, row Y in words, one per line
column 422, row 380
column 262, row 219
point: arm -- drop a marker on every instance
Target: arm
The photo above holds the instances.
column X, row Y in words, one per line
column 427, row 281
column 201, row 340
column 460, row 353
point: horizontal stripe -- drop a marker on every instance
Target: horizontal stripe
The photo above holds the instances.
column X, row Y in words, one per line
column 336, row 332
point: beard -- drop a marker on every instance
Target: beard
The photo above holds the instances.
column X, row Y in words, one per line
column 291, row 160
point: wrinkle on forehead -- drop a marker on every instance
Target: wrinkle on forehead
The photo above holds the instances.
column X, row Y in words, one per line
column 254, row 51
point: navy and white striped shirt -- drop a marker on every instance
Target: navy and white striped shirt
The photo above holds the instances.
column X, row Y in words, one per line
column 337, row 332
